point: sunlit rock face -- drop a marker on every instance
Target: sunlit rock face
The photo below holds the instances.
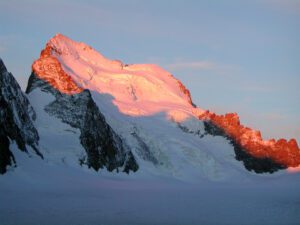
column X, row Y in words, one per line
column 142, row 90
column 49, row 69
column 16, row 120
column 257, row 154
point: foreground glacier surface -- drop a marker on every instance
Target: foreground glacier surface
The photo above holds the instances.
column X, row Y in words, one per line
column 48, row 193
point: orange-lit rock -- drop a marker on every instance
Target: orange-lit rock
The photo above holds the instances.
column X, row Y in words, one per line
column 186, row 92
column 284, row 152
column 48, row 68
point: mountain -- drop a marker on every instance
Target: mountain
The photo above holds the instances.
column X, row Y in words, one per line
column 96, row 141
column 93, row 111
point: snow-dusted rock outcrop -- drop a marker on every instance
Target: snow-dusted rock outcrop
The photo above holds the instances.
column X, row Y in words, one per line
column 16, row 120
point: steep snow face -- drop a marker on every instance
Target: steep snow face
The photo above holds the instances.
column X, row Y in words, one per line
column 142, row 92
column 137, row 90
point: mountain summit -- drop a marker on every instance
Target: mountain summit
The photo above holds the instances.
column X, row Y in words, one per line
column 143, row 90
column 138, row 89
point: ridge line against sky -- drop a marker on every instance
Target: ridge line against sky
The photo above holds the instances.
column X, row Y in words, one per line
column 234, row 56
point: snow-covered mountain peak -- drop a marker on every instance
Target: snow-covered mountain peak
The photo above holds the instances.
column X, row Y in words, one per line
column 143, row 90
column 137, row 90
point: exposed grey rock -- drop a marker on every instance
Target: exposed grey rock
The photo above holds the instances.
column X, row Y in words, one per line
column 16, row 115
column 103, row 146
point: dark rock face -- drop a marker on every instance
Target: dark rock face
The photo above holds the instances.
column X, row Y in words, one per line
column 16, row 115
column 103, row 146
column 6, row 157
column 258, row 165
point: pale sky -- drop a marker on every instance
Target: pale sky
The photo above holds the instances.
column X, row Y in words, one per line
column 233, row 55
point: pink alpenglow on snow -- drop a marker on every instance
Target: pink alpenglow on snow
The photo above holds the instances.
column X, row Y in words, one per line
column 138, row 90
column 145, row 90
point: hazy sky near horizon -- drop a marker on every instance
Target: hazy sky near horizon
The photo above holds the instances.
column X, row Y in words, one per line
column 234, row 56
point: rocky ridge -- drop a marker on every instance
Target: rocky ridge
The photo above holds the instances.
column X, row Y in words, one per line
column 16, row 120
